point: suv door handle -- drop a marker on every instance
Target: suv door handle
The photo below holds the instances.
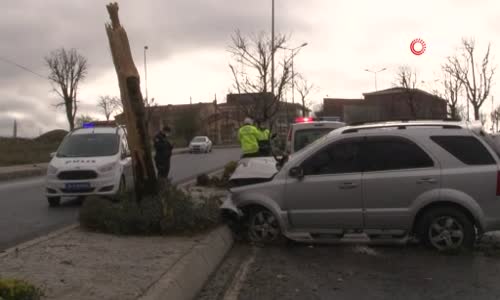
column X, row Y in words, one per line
column 347, row 185
column 426, row 180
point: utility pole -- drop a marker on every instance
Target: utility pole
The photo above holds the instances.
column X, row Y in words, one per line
column 375, row 75
column 272, row 48
column 14, row 133
column 146, row 72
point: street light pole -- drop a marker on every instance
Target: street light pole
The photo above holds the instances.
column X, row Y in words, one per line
column 272, row 48
column 375, row 75
column 146, row 72
column 294, row 52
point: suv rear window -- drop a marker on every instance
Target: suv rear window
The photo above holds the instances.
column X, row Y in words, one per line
column 393, row 153
column 305, row 137
column 467, row 149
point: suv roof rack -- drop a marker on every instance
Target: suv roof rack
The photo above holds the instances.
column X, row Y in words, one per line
column 402, row 126
column 402, row 121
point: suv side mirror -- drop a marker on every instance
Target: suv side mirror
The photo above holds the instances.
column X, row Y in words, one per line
column 296, row 172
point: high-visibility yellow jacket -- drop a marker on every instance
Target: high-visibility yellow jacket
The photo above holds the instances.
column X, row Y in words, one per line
column 248, row 136
column 264, row 135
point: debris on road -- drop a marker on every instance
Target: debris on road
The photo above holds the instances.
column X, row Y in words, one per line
column 364, row 250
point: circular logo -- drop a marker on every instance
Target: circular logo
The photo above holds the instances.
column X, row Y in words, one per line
column 417, row 46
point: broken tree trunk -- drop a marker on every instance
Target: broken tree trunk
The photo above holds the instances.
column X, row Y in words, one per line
column 146, row 182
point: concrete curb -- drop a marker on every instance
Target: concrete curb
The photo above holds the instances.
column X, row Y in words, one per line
column 187, row 277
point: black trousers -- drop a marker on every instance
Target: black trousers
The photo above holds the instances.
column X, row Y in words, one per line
column 163, row 167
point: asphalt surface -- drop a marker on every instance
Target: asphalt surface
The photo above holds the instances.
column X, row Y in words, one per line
column 349, row 271
column 25, row 214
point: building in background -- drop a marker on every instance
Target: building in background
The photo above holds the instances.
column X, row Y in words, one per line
column 389, row 104
column 219, row 121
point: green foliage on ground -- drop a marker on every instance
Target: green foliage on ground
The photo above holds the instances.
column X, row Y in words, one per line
column 13, row 289
column 172, row 211
column 21, row 151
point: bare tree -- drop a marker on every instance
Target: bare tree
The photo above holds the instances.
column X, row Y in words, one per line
column 495, row 119
column 407, row 79
column 452, row 89
column 146, row 181
column 252, row 75
column 483, row 117
column 476, row 78
column 66, row 69
column 304, row 88
column 82, row 119
column 107, row 105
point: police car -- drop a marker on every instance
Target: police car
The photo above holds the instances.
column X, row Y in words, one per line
column 306, row 130
column 91, row 160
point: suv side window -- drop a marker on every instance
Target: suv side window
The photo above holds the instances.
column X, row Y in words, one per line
column 467, row 149
column 336, row 158
column 393, row 153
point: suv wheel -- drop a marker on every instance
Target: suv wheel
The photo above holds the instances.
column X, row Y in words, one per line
column 263, row 227
column 54, row 201
column 446, row 229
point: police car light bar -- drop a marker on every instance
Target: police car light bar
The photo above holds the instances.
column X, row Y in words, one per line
column 303, row 120
column 88, row 125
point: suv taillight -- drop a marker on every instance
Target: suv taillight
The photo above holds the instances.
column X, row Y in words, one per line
column 498, row 183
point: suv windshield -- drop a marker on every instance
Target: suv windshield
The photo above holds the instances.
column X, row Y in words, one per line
column 305, row 137
column 199, row 139
column 89, row 145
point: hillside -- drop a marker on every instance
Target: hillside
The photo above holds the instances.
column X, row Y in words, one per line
column 22, row 151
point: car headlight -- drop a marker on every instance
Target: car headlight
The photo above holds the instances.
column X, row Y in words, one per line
column 107, row 168
column 51, row 170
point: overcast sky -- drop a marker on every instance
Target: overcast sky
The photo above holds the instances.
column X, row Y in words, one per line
column 188, row 42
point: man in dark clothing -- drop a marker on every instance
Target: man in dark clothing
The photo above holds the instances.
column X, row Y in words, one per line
column 163, row 149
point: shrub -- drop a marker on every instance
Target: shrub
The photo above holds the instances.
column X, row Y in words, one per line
column 203, row 180
column 13, row 289
column 172, row 211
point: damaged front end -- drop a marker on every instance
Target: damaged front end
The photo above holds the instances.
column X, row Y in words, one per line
column 250, row 171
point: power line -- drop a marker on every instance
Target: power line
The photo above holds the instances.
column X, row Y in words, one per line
column 21, row 67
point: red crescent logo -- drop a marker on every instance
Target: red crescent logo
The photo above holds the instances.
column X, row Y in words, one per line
column 418, row 42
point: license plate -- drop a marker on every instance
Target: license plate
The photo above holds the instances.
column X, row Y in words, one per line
column 77, row 186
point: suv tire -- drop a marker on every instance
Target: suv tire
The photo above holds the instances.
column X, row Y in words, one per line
column 263, row 227
column 446, row 229
column 54, row 201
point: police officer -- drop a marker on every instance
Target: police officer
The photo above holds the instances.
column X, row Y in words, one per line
column 248, row 135
column 163, row 149
column 264, row 140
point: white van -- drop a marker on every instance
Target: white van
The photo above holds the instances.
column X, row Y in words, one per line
column 306, row 130
column 90, row 161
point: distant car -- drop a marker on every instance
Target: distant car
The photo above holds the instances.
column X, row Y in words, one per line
column 200, row 144
column 90, row 161
column 306, row 130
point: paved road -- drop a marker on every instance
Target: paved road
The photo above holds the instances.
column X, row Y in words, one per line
column 354, row 272
column 24, row 212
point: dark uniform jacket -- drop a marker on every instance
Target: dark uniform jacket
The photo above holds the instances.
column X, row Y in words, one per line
column 163, row 148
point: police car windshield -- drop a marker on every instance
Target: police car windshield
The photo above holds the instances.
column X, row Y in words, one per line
column 89, row 145
column 305, row 137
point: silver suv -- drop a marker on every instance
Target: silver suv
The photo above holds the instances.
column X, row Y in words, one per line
column 438, row 181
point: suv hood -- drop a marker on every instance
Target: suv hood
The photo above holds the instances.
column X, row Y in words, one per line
column 255, row 168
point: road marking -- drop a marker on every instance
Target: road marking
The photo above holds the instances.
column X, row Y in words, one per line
column 234, row 289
